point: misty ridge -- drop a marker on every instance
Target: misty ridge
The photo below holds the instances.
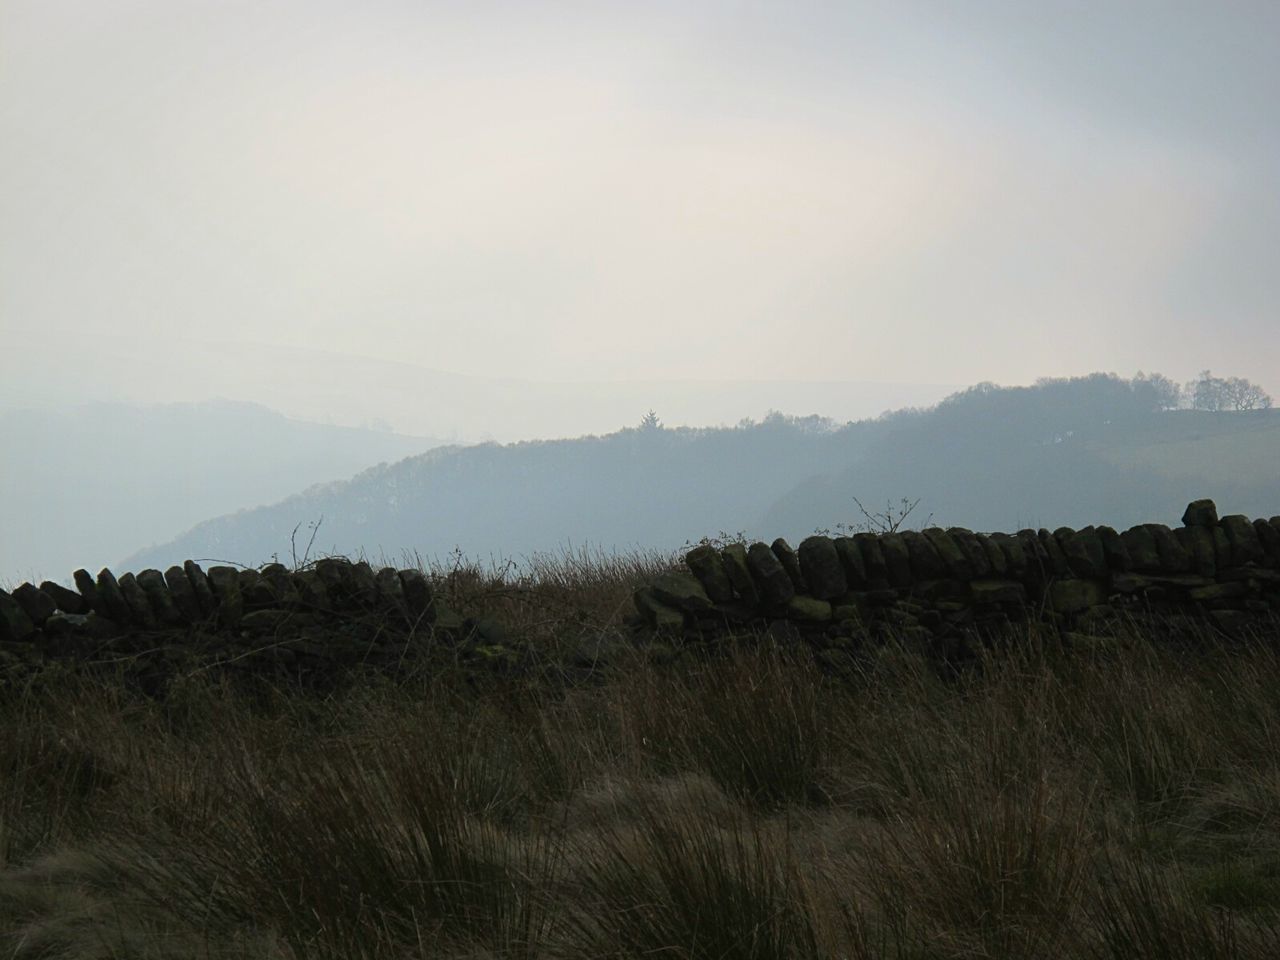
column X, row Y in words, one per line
column 1099, row 448
column 109, row 474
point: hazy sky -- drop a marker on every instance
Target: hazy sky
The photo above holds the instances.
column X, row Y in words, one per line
column 936, row 193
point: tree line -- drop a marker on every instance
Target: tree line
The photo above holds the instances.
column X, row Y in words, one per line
column 1206, row 392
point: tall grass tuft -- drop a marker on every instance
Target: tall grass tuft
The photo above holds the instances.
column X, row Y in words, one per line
column 669, row 881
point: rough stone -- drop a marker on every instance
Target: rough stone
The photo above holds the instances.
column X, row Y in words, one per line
column 775, row 587
column 656, row 612
column 1245, row 547
column 111, row 597
column 1218, row 591
column 997, row 591
column 68, row 601
column 1174, row 558
column 200, row 586
column 847, row 613
column 995, row 556
column 88, row 590
column 1222, row 549
column 1201, row 513
column 1073, row 596
column 264, row 621
column 706, row 564
column 968, row 543
column 872, row 557
column 418, row 596
column 926, row 561
column 1142, row 549
column 1058, row 565
column 257, row 591
column 790, row 563
column 681, row 590
column 225, row 582
column 1199, row 543
column 1269, row 538
column 335, row 573
column 1254, row 573
column 152, row 583
column 140, row 610
column 935, row 591
column 15, row 625
column 734, row 558
column 1039, row 568
column 184, row 597
column 809, row 609
column 1141, row 582
column 735, row 611
column 66, row 624
column 1083, row 549
column 277, row 574
column 821, row 568
column 955, row 559
column 390, row 590
column 37, row 604
column 897, row 560
column 1114, row 550
column 855, row 568
column 1015, row 557
column 364, row 589
column 448, row 623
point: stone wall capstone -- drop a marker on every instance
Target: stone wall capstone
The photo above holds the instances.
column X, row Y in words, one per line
column 943, row 585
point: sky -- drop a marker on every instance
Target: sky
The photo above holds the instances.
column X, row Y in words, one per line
column 302, row 203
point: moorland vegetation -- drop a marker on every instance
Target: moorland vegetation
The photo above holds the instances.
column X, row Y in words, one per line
column 706, row 800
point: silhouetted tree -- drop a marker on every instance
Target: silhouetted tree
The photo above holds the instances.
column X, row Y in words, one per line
column 1162, row 392
column 1241, row 394
column 650, row 421
column 1232, row 393
column 1208, row 392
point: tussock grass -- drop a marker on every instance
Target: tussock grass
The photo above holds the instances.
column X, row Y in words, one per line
column 1113, row 802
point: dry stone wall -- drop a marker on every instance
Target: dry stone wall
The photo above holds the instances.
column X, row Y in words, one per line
column 332, row 615
column 942, row 587
column 939, row 587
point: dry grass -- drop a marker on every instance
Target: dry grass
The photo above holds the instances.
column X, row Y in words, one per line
column 737, row 803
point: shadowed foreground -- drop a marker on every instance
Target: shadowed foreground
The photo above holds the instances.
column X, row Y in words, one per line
column 1115, row 799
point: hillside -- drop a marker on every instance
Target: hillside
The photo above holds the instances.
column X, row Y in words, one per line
column 999, row 461
column 1062, row 452
column 633, row 488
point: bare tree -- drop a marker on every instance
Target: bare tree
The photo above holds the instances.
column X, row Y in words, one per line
column 1242, row 394
column 1233, row 393
column 1208, row 393
column 1163, row 392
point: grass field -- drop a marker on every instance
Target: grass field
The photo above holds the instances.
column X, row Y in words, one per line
column 1122, row 802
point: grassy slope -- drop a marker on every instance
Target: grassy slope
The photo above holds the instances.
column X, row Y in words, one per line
column 1113, row 804
column 1204, row 448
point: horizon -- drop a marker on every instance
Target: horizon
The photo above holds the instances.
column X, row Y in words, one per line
column 498, row 223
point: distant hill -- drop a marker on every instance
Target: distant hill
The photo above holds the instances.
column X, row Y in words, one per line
column 113, row 473
column 633, row 488
column 1072, row 452
column 1067, row 453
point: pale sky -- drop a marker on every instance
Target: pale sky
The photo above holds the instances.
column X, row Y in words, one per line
column 919, row 193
